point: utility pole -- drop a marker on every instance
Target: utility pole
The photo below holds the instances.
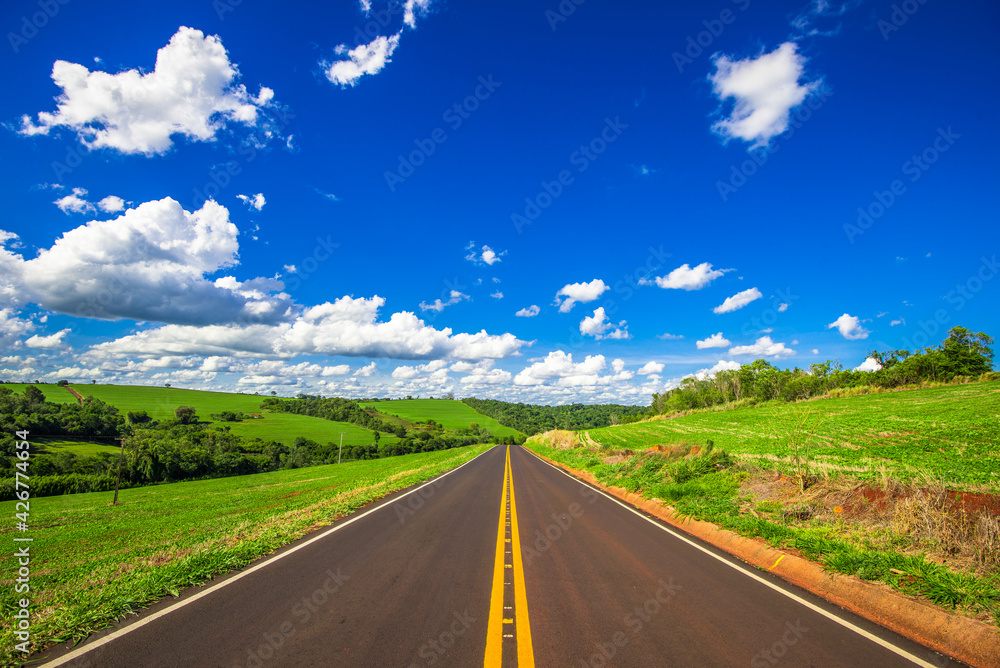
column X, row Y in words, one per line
column 341, row 447
column 121, row 454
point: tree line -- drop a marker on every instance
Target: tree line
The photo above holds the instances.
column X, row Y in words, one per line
column 531, row 419
column 338, row 410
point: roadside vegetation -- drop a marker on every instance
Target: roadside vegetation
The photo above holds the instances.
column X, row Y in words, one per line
column 92, row 562
column 899, row 488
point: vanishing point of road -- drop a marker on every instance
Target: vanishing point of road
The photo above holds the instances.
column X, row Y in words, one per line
column 504, row 561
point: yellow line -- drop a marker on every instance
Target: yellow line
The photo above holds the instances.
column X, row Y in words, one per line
column 525, row 652
column 522, row 628
column 494, row 629
column 776, row 563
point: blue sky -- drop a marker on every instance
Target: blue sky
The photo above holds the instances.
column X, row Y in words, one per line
column 546, row 202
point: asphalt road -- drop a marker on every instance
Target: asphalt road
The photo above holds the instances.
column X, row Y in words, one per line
column 470, row 570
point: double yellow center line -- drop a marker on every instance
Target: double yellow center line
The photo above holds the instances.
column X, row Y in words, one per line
column 508, row 622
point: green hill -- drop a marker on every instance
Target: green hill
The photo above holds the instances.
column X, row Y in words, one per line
column 951, row 433
column 160, row 402
column 54, row 393
column 451, row 413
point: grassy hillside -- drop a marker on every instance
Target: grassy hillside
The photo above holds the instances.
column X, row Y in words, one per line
column 952, row 433
column 92, row 563
column 160, row 402
column 890, row 511
column 453, row 414
column 54, row 393
column 285, row 427
column 77, row 447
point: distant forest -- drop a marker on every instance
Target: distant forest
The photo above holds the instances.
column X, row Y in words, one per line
column 531, row 419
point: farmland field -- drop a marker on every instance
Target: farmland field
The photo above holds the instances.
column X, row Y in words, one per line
column 92, row 563
column 79, row 448
column 160, row 402
column 451, row 413
column 950, row 433
column 53, row 393
column 285, row 427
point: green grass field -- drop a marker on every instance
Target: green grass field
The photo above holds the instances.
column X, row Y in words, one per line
column 53, row 393
column 285, row 427
column 950, row 433
column 451, row 413
column 92, row 563
column 79, row 448
column 160, row 402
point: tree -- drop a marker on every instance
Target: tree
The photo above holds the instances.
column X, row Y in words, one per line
column 32, row 395
column 63, row 383
column 965, row 353
column 185, row 415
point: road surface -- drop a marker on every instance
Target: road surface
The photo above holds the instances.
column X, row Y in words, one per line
column 505, row 561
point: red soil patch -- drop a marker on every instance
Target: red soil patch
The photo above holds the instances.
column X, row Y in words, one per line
column 974, row 502
column 76, row 394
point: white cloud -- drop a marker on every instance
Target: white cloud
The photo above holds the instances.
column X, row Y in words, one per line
column 686, row 278
column 714, row 341
column 364, row 59
column 782, row 307
column 438, row 305
column 598, row 325
column 765, row 89
column 870, row 364
column 722, row 365
column 579, row 292
column 48, row 342
column 815, row 351
column 763, row 347
column 347, row 327
column 435, row 368
column 151, row 263
column 487, row 378
column 901, row 321
column 529, row 312
column 650, row 368
column 667, row 336
column 738, row 301
column 291, row 268
column 367, row 370
column 496, row 295
column 111, row 204
column 486, row 255
column 253, row 201
column 559, row 370
column 490, row 256
column 12, row 327
column 413, row 8
column 192, row 92
column 849, row 327
column 822, row 11
column 74, row 203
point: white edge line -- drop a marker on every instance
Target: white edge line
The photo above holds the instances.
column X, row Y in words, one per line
column 180, row 604
column 843, row 622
